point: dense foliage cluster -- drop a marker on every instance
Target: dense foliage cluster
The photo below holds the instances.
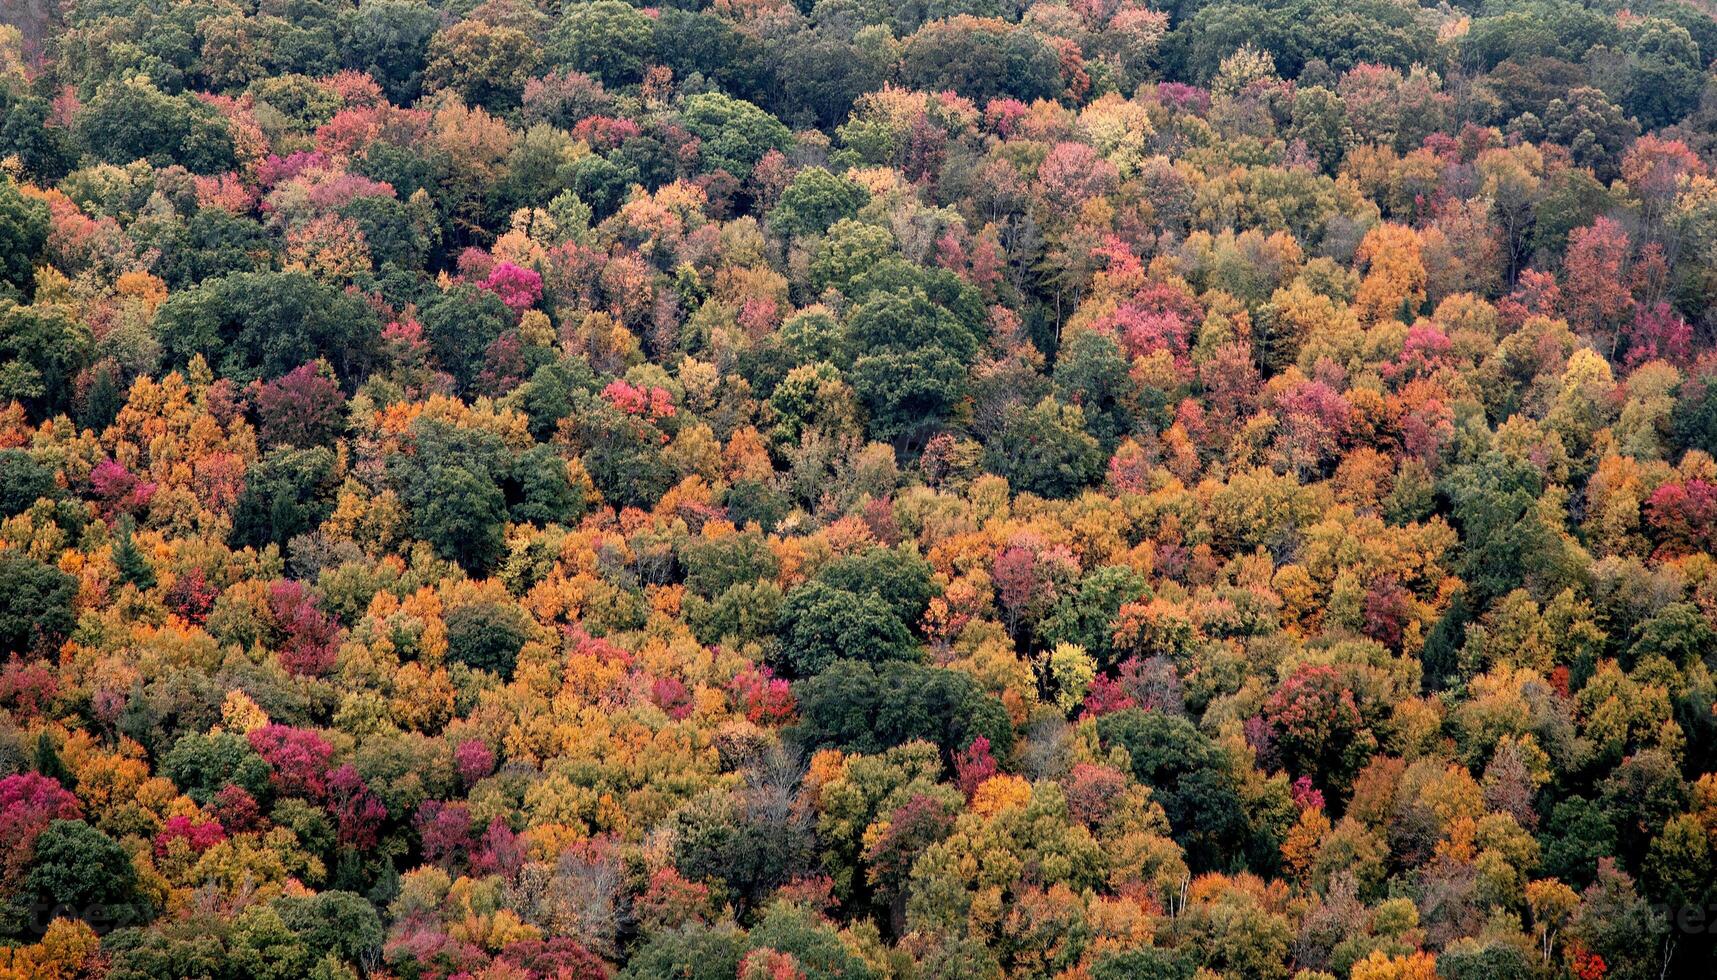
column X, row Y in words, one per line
column 903, row 491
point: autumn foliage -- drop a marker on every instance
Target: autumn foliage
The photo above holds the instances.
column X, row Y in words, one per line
column 1077, row 490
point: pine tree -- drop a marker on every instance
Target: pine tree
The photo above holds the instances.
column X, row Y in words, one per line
column 128, row 558
column 49, row 764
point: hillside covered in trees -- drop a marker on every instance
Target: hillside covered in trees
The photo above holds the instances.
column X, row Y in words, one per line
column 957, row 490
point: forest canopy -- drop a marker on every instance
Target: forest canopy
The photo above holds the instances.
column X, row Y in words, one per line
column 766, row 490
